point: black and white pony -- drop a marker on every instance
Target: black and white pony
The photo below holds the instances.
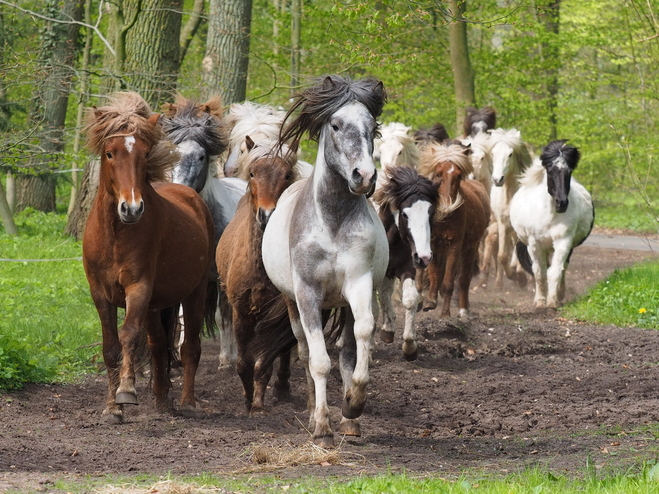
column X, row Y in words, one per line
column 552, row 214
column 324, row 246
column 407, row 203
column 479, row 121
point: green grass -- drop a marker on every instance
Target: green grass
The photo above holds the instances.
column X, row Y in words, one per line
column 49, row 321
column 628, row 297
column 532, row 481
column 627, row 214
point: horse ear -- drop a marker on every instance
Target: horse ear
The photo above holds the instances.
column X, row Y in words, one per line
column 97, row 113
column 249, row 143
column 153, row 119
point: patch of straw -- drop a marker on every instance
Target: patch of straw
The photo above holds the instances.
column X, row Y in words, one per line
column 163, row 487
column 267, row 457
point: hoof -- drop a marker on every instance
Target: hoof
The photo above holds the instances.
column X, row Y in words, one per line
column 411, row 356
column 351, row 411
column 113, row 418
column 257, row 412
column 125, row 399
column 326, row 442
column 281, row 393
column 387, row 336
column 350, row 428
column 164, row 405
column 188, row 411
column 429, row 305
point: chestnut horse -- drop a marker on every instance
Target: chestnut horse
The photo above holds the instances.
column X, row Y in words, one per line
column 147, row 247
column 460, row 220
column 243, row 279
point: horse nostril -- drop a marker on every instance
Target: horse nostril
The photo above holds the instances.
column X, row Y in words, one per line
column 140, row 209
column 123, row 207
column 374, row 177
column 356, row 175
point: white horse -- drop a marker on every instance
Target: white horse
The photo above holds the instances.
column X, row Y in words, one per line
column 510, row 157
column 325, row 247
column 552, row 214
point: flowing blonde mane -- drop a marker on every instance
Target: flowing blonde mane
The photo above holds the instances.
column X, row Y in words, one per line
column 127, row 114
column 533, row 175
column 434, row 154
column 252, row 119
column 265, row 148
column 396, row 131
column 522, row 157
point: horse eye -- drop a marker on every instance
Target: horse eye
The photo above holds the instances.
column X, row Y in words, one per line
column 335, row 128
column 404, row 215
column 251, row 174
column 288, row 176
column 109, row 155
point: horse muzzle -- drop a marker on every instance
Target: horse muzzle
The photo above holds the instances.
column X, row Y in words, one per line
column 421, row 262
column 262, row 217
column 561, row 206
column 498, row 181
column 130, row 213
column 362, row 182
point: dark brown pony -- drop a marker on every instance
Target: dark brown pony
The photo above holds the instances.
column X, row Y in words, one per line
column 461, row 217
column 437, row 133
column 147, row 247
column 479, row 120
column 243, row 279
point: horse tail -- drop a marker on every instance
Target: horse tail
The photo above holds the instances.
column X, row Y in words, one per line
column 274, row 336
column 523, row 257
column 212, row 297
column 169, row 320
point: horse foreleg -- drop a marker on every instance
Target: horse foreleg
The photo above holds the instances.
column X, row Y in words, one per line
column 539, row 267
column 448, row 280
column 490, row 250
column 245, row 362
column 556, row 272
column 433, row 273
column 411, row 299
column 193, row 315
column 468, row 259
column 107, row 313
column 359, row 293
column 306, row 311
column 388, row 312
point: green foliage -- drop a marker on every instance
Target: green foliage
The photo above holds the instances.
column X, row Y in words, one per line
column 49, row 324
column 628, row 297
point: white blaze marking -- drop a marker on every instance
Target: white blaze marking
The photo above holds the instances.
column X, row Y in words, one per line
column 451, row 170
column 129, row 141
column 418, row 220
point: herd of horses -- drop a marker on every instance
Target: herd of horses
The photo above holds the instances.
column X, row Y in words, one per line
column 280, row 254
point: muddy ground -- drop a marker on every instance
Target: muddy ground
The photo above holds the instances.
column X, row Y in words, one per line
column 507, row 390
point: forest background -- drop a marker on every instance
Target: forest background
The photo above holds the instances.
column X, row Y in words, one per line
column 583, row 70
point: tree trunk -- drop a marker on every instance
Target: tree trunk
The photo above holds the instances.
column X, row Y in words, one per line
column 463, row 74
column 551, row 57
column 296, row 17
column 50, row 100
column 224, row 68
column 153, row 51
column 190, row 29
column 77, row 220
column 5, row 214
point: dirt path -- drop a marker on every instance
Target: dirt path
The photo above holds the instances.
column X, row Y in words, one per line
column 507, row 390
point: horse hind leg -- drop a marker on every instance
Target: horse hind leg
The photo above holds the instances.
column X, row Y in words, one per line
column 158, row 325
column 387, row 309
column 281, row 390
column 228, row 346
column 193, row 315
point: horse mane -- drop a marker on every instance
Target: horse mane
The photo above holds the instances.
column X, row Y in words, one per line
column 400, row 132
column 522, row 157
column 451, row 150
column 187, row 120
column 437, row 133
column 401, row 183
column 249, row 118
column 127, row 114
column 533, row 175
column 486, row 117
column 319, row 102
column 265, row 148
column 558, row 149
column 481, row 140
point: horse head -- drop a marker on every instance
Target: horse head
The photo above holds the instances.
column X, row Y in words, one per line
column 559, row 160
column 412, row 200
column 270, row 171
column 510, row 155
column 341, row 114
column 397, row 148
column 133, row 151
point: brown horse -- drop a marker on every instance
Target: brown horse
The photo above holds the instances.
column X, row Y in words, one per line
column 460, row 220
column 243, row 279
column 147, row 247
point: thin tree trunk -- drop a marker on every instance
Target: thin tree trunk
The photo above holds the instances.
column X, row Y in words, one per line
column 551, row 56
column 463, row 74
column 224, row 68
column 77, row 220
column 296, row 19
column 190, row 29
column 5, row 214
column 50, row 100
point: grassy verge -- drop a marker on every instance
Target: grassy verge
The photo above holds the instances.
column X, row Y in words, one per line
column 628, row 297
column 49, row 324
column 528, row 481
column 625, row 213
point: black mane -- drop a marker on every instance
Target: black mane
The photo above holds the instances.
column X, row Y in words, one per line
column 487, row 115
column 556, row 149
column 402, row 183
column 318, row 103
column 189, row 123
